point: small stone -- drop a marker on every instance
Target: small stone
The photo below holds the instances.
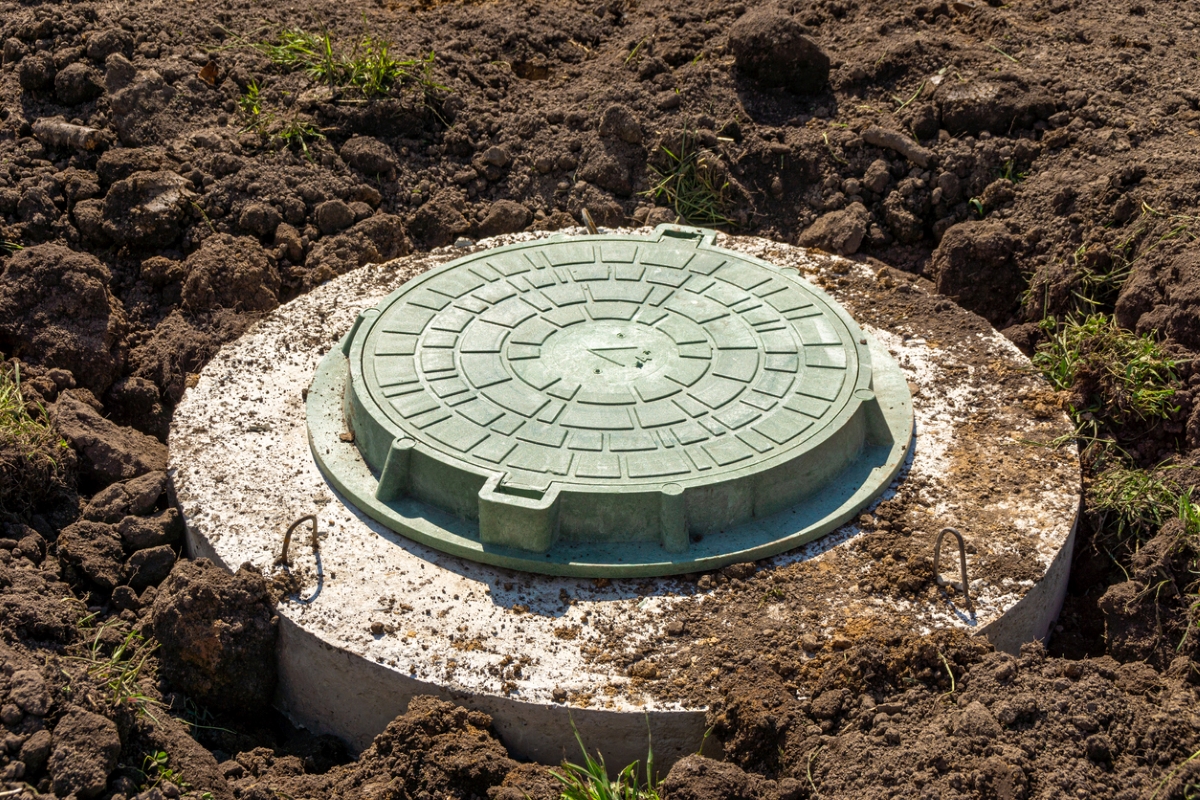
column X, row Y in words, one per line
column 10, row 715
column 1099, row 747
column 377, row 628
column 644, row 669
column 620, row 122
column 675, row 627
column 840, row 642
column 770, row 46
column 496, row 156
column 705, row 583
column 877, row 176
column 334, row 216
column 462, row 243
column 559, row 695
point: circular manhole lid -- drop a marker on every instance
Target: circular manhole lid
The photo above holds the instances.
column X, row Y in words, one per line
column 609, row 405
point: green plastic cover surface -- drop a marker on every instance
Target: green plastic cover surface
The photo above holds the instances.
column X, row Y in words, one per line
column 609, row 405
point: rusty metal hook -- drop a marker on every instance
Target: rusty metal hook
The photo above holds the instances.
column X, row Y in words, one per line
column 587, row 221
column 962, row 563
column 287, row 538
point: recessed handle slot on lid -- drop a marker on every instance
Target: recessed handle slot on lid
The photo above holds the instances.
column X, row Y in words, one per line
column 518, row 516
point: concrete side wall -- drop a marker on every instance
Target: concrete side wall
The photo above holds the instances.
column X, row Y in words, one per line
column 328, row 690
column 1033, row 616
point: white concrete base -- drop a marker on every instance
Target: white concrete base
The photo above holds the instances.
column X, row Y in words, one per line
column 381, row 619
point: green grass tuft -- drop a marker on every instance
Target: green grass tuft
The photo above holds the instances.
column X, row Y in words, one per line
column 590, row 781
column 691, row 182
column 32, row 455
column 156, row 771
column 296, row 134
column 368, row 66
column 1115, row 375
column 1097, row 271
column 250, row 103
column 1010, row 173
column 1136, row 502
column 120, row 671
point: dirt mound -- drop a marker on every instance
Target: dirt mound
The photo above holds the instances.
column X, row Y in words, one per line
column 217, row 634
column 107, row 452
column 974, row 264
column 372, row 241
column 699, row 778
column 434, row 749
column 850, row 725
column 771, row 46
column 232, row 273
column 56, row 310
column 1033, row 160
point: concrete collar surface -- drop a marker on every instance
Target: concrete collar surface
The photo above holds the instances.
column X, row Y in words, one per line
column 379, row 618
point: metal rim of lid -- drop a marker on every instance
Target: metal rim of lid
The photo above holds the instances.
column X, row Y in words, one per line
column 680, row 519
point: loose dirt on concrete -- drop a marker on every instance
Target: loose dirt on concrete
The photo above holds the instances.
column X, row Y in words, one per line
column 1028, row 161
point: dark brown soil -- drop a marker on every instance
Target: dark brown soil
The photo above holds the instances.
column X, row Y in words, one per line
column 1016, row 157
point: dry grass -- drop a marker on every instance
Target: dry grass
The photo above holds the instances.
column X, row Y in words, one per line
column 32, row 456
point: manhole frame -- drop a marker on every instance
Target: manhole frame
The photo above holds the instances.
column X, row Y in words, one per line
column 884, row 449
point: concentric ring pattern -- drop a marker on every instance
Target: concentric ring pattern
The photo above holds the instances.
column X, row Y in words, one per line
column 610, row 362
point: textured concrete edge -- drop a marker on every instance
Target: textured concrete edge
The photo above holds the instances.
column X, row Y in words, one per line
column 315, row 677
column 1039, row 616
column 1034, row 614
column 327, row 689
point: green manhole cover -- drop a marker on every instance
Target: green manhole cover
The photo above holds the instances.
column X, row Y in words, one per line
column 609, row 406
